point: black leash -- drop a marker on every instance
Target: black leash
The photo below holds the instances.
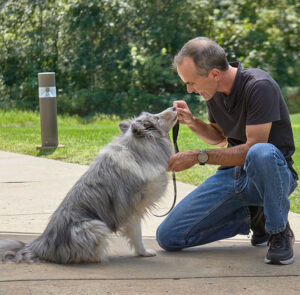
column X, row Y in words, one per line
column 175, row 132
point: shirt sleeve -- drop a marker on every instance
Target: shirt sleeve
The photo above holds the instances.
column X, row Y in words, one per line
column 263, row 104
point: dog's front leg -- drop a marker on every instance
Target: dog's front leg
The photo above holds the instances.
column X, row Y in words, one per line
column 133, row 232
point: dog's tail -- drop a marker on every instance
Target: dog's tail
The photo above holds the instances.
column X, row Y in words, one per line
column 9, row 248
column 84, row 242
column 14, row 251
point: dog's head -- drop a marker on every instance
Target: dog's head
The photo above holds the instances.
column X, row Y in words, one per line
column 151, row 125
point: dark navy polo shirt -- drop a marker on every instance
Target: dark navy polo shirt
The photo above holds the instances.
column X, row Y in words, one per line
column 255, row 98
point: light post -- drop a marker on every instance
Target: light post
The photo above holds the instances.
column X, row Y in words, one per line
column 48, row 111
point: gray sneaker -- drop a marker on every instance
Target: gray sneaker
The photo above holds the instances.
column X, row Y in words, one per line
column 281, row 247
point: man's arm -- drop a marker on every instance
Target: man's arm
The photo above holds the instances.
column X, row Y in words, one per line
column 223, row 142
column 236, row 156
column 233, row 156
column 210, row 133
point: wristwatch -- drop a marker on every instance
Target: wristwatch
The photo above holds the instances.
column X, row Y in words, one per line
column 202, row 157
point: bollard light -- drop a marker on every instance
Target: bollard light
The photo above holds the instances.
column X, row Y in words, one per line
column 48, row 111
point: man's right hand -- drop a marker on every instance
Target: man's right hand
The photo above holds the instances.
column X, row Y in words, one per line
column 184, row 114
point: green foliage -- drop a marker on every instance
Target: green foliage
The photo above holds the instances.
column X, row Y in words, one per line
column 292, row 95
column 115, row 56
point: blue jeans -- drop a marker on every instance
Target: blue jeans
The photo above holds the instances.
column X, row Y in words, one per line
column 218, row 208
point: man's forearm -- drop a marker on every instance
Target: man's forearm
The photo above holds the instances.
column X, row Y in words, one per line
column 233, row 156
column 207, row 132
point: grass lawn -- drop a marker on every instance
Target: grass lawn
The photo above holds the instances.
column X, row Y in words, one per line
column 20, row 133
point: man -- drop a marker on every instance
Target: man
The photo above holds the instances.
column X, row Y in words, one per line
column 247, row 112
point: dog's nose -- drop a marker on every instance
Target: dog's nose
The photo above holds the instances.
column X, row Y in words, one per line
column 174, row 109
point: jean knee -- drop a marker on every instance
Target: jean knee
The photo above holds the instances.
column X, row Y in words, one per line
column 259, row 154
column 163, row 239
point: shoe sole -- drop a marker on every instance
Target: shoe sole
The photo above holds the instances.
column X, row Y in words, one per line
column 282, row 262
column 263, row 244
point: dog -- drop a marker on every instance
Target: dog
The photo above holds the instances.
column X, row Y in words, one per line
column 121, row 185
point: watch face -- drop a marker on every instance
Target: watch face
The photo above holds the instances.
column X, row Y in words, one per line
column 202, row 157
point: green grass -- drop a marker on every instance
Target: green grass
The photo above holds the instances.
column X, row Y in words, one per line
column 295, row 197
column 20, row 133
column 82, row 140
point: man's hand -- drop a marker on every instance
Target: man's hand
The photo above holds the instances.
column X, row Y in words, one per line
column 184, row 114
column 183, row 160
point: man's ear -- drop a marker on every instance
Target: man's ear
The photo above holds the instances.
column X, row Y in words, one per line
column 123, row 126
column 215, row 74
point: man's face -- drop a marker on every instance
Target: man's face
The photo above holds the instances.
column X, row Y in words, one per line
column 205, row 86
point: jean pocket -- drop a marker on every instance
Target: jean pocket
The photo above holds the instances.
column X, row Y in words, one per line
column 279, row 158
column 240, row 179
column 293, row 186
column 281, row 162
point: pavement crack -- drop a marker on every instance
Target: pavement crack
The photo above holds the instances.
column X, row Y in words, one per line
column 18, row 182
column 23, row 214
column 150, row 279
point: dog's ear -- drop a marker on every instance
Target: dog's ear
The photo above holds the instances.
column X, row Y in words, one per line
column 124, row 126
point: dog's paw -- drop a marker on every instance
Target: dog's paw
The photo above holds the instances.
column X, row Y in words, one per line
column 147, row 253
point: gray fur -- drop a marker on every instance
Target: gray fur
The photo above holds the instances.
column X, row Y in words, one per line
column 120, row 186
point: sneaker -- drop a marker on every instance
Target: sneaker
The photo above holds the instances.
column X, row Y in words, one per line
column 281, row 247
column 259, row 235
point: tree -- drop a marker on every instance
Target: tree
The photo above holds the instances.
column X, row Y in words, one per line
column 115, row 56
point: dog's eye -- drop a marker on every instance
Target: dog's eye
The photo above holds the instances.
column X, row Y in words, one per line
column 149, row 126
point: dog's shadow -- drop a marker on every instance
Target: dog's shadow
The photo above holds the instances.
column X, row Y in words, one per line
column 193, row 256
column 203, row 261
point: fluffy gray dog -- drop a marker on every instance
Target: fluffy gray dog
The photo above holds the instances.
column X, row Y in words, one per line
column 125, row 180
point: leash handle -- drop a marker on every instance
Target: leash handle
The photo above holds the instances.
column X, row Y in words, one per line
column 175, row 132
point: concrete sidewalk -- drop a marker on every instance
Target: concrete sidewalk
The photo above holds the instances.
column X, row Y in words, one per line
column 31, row 189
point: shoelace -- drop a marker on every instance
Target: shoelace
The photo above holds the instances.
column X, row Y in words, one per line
column 276, row 241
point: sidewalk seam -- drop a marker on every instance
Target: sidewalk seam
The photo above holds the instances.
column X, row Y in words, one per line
column 150, row 279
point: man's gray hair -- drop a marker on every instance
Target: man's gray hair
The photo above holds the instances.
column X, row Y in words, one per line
column 205, row 53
